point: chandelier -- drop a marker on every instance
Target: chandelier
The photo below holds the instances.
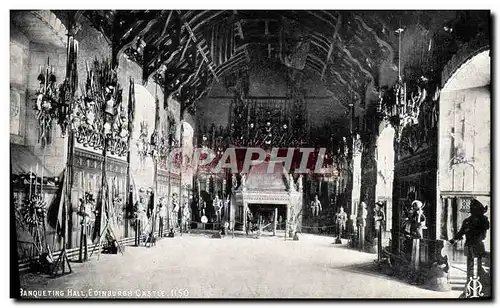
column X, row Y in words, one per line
column 158, row 146
column 401, row 110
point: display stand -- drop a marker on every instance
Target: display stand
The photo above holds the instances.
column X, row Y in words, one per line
column 150, row 239
column 361, row 240
column 137, row 233
column 83, row 251
column 415, row 254
column 102, row 237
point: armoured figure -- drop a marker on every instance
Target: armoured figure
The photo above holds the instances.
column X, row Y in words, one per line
column 291, row 184
column 379, row 216
column 234, row 183
column 141, row 207
column 474, row 229
column 341, row 221
column 186, row 216
column 418, row 220
column 175, row 212
column 363, row 214
column 217, row 207
column 299, row 183
column 316, row 206
column 243, row 182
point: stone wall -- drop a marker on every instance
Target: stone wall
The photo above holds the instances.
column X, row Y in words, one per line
column 19, row 65
column 26, row 58
column 52, row 155
column 465, row 127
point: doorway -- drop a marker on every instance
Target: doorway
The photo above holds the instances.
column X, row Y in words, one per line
column 265, row 216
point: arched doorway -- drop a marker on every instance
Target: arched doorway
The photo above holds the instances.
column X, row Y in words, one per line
column 187, row 152
column 464, row 167
column 385, row 171
column 141, row 163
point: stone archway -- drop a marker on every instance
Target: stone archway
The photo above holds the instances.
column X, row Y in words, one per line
column 141, row 165
column 464, row 140
column 42, row 26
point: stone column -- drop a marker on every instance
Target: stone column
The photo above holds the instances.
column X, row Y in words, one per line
column 275, row 220
column 368, row 184
column 245, row 209
column 287, row 219
column 356, row 184
column 370, row 175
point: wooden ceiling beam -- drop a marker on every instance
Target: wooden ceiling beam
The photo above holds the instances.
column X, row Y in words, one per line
column 201, row 23
column 377, row 38
column 236, row 59
column 317, row 44
column 202, row 52
column 255, row 20
column 313, row 65
column 337, row 27
column 240, row 29
column 166, row 23
column 322, row 19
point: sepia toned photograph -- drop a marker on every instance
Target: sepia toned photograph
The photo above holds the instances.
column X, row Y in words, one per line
column 250, row 154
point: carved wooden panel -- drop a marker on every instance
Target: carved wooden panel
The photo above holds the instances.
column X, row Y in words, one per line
column 87, row 177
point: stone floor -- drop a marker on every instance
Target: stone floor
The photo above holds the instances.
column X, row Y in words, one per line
column 197, row 266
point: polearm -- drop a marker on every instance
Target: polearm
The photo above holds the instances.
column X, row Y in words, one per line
column 104, row 188
column 170, row 144
column 180, row 170
column 131, row 115
column 72, row 81
column 155, row 165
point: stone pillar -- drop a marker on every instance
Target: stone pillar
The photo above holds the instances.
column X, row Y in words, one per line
column 368, row 184
column 356, row 184
column 245, row 209
column 223, row 189
column 449, row 219
column 275, row 220
column 371, row 176
column 287, row 220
